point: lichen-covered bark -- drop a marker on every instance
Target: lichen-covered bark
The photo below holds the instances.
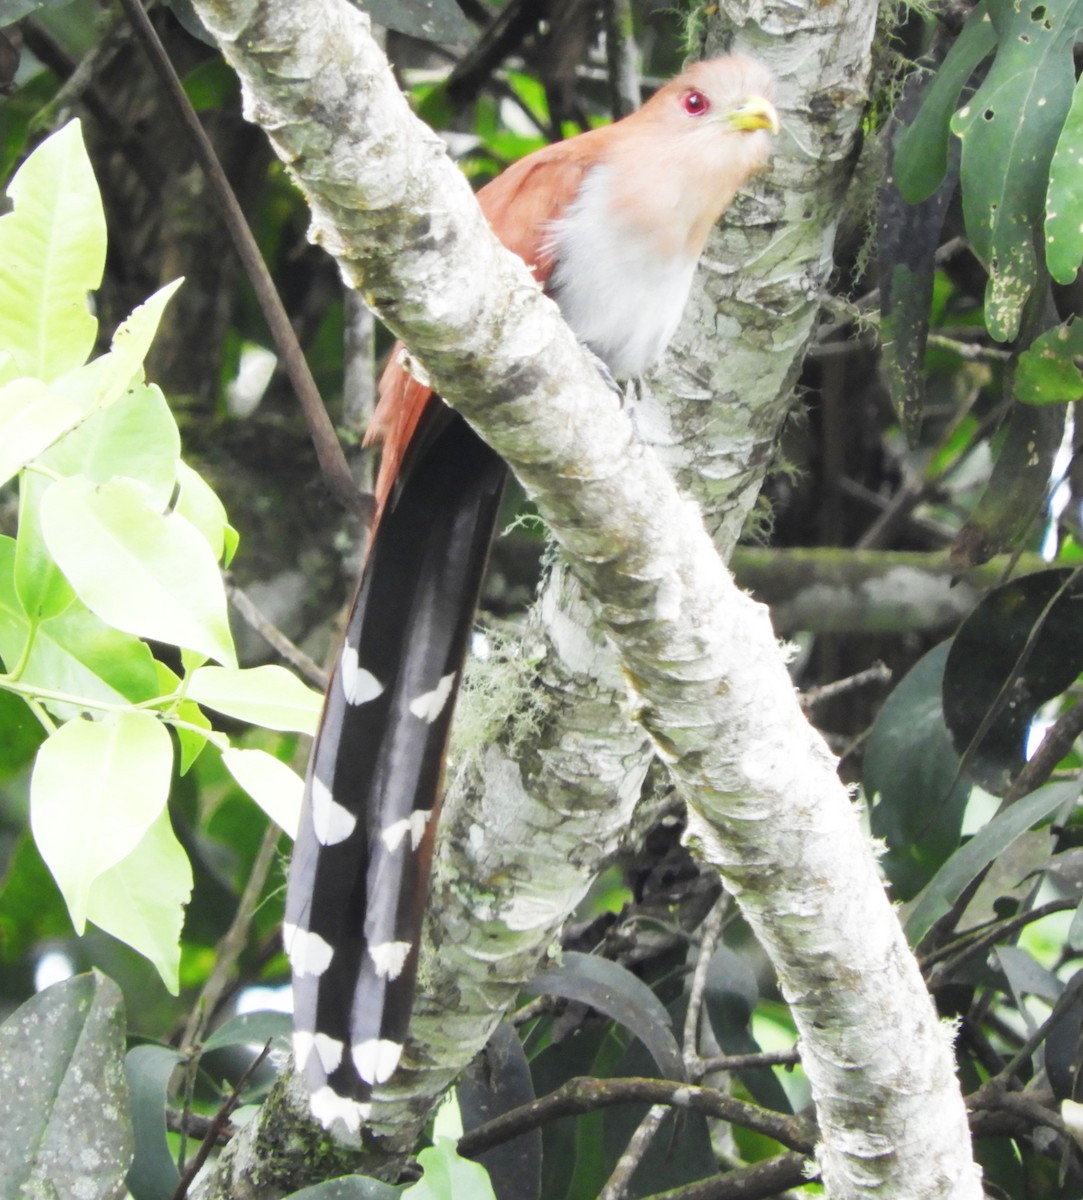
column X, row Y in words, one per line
column 697, row 673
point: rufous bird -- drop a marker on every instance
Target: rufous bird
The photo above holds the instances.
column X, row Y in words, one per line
column 611, row 223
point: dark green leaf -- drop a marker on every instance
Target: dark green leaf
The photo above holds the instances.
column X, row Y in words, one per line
column 615, row 991
column 1047, row 372
column 1009, row 131
column 909, row 237
column 730, row 996
column 970, row 859
column 910, row 772
column 427, row 20
column 154, row 1174
column 252, row 1029
column 497, row 1081
column 63, row 1097
column 921, row 150
column 984, row 657
column 1063, row 229
column 1016, row 491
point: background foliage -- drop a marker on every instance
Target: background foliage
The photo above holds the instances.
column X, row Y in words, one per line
column 935, row 441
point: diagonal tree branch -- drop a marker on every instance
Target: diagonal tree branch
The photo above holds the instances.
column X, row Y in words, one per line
column 708, row 685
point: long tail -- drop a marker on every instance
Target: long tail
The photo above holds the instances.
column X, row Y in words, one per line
column 360, row 868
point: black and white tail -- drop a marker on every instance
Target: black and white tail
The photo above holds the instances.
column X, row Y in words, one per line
column 359, row 875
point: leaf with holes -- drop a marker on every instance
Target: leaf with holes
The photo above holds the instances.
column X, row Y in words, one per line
column 1009, row 131
column 1047, row 372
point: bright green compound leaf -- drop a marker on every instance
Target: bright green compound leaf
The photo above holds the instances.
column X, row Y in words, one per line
column 275, row 787
column 141, row 900
column 63, row 1095
column 32, row 416
column 1064, row 203
column 102, row 382
column 192, row 742
column 74, row 653
column 1009, row 131
column 921, row 149
column 53, row 250
column 447, row 1176
column 97, row 787
column 137, row 437
column 42, row 588
column 200, row 504
column 270, row 696
column 145, row 572
column 1047, row 371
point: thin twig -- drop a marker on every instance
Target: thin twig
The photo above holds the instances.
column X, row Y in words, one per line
column 616, row 1186
column 877, row 673
column 710, row 931
column 585, row 1095
column 328, row 450
column 273, row 636
column 220, row 1121
column 232, row 943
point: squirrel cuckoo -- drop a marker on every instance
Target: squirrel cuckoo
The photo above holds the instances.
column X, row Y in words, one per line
column 612, row 223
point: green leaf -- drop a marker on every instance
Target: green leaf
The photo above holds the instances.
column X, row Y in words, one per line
column 32, row 416
column 921, row 149
column 97, row 788
column 613, row 989
column 53, row 250
column 917, row 803
column 43, row 591
column 104, row 381
column 144, row 572
column 153, row 1174
column 74, row 652
column 192, row 744
column 970, row 859
column 1046, row 372
column 141, row 900
column 1009, row 131
column 448, row 1177
column 275, row 787
column 1064, row 201
column 198, row 501
column 63, row 1095
column 136, row 437
column 252, row 1029
column 269, row 696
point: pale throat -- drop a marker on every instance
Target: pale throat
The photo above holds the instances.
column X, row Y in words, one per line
column 621, row 288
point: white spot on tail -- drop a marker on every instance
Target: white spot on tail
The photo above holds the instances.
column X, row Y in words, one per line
column 429, row 705
column 332, row 822
column 389, row 958
column 329, row 1050
column 376, row 1059
column 414, row 824
column 358, row 685
column 308, row 953
column 328, row 1107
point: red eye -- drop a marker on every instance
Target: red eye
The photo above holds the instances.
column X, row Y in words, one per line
column 694, row 103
